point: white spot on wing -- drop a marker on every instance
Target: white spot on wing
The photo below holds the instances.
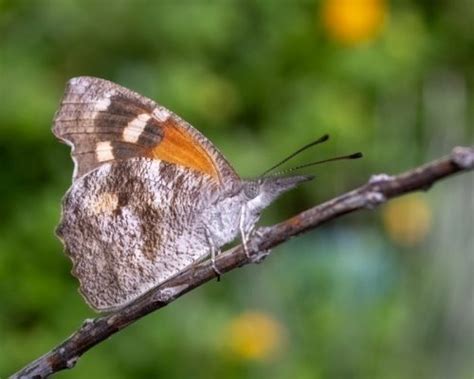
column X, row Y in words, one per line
column 161, row 114
column 104, row 151
column 102, row 104
column 135, row 128
column 80, row 85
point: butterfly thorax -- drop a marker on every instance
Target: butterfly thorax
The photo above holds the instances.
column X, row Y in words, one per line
column 222, row 217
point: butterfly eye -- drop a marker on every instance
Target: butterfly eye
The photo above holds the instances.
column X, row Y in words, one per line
column 252, row 189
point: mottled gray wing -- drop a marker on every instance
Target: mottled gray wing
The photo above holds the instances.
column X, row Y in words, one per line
column 130, row 225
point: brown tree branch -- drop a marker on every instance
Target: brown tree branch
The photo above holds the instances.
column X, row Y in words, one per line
column 379, row 189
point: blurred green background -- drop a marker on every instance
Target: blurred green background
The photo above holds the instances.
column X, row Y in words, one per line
column 382, row 294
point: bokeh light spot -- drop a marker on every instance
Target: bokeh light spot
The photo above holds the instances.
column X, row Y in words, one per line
column 354, row 21
column 254, row 336
column 407, row 220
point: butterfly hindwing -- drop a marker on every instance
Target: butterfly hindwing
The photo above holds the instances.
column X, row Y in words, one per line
column 126, row 232
column 103, row 122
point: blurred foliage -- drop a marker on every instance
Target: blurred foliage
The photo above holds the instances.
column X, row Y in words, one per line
column 364, row 297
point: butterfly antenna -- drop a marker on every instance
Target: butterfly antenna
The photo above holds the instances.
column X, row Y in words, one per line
column 322, row 139
column 342, row 157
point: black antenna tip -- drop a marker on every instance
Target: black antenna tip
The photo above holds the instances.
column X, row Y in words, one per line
column 324, row 138
column 355, row 155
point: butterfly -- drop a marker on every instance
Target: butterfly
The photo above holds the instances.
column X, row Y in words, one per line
column 150, row 194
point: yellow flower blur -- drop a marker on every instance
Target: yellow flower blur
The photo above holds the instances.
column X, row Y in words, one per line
column 353, row 21
column 407, row 220
column 254, row 336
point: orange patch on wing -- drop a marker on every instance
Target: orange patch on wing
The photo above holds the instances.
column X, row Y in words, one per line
column 178, row 146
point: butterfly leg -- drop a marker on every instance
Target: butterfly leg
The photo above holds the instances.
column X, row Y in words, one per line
column 245, row 231
column 215, row 251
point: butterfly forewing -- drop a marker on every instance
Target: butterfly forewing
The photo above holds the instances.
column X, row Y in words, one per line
column 105, row 122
